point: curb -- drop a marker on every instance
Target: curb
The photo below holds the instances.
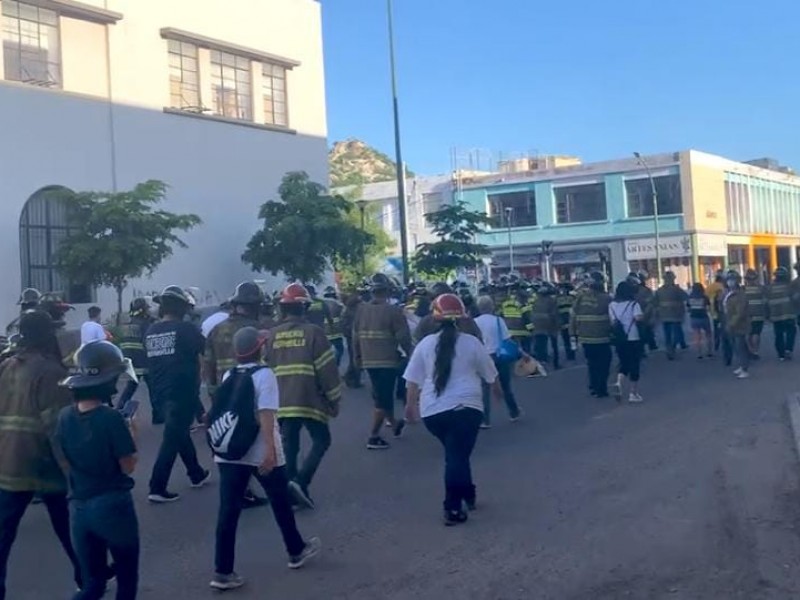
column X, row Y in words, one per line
column 793, row 404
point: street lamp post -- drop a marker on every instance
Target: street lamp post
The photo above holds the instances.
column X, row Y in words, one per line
column 362, row 206
column 401, row 175
column 509, row 214
column 640, row 159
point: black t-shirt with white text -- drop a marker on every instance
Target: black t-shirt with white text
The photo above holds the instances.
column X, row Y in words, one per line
column 93, row 442
column 173, row 350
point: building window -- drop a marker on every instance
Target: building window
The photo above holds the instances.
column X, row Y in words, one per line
column 522, row 203
column 184, row 81
column 230, row 82
column 31, row 47
column 581, row 203
column 42, row 227
column 640, row 196
column 273, row 84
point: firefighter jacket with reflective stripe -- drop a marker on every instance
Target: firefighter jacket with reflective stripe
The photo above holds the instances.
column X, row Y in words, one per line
column 379, row 332
column 646, row 299
column 565, row 303
column 779, row 302
column 30, row 400
column 670, row 303
column 429, row 325
column 756, row 302
column 544, row 316
column 590, row 321
column 219, row 355
column 514, row 315
column 333, row 328
column 319, row 314
column 132, row 342
column 735, row 313
column 304, row 363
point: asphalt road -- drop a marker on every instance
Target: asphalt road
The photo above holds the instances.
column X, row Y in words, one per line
column 693, row 495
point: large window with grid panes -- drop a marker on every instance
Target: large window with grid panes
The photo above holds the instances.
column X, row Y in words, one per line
column 31, row 44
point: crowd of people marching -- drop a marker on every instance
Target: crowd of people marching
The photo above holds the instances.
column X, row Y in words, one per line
column 68, row 439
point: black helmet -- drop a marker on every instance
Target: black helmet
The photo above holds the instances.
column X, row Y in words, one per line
column 733, row 275
column 96, row 364
column 176, row 293
column 139, row 306
column 312, row 289
column 247, row 292
column 669, row 276
column 781, row 274
column 634, row 278
column 596, row 280
column 546, row 289
column 53, row 304
column 30, row 296
column 380, row 282
column 330, row 292
column 440, row 288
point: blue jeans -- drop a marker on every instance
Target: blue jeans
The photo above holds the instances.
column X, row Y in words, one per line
column 106, row 523
column 673, row 336
column 457, row 430
column 12, row 508
column 504, row 376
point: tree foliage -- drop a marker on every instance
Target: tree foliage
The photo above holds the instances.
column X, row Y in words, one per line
column 118, row 236
column 456, row 227
column 305, row 232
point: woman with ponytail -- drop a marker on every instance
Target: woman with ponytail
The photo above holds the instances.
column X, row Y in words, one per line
column 445, row 376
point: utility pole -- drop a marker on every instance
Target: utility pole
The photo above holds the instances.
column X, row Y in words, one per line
column 509, row 214
column 640, row 159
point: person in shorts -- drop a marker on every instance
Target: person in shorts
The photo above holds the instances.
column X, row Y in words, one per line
column 699, row 307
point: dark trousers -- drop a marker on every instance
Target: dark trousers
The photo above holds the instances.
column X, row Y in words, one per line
column 540, row 348
column 338, row 348
column 681, row 337
column 567, row 339
column 648, row 336
column 320, row 435
column 524, row 343
column 352, row 376
column 727, row 347
column 400, row 386
column 12, row 508
column 232, row 484
column 630, row 358
column 785, row 333
column 504, row 376
column 598, row 361
column 673, row 334
column 717, row 334
column 127, row 394
column 383, row 383
column 457, row 430
column 100, row 525
column 176, row 441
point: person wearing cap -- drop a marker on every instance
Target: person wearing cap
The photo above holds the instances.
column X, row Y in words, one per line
column 591, row 324
column 265, row 461
column 132, row 346
column 516, row 315
column 333, row 329
column 310, row 388
column 445, row 379
column 174, row 349
column 30, row 459
column 670, row 306
column 735, row 313
column 781, row 313
column 757, row 304
column 99, row 449
column 318, row 312
column 28, row 300
column 380, row 333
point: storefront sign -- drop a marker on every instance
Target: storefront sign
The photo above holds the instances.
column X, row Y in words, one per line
column 711, row 245
column 671, row 247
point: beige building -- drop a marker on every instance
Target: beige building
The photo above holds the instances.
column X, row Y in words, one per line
column 217, row 99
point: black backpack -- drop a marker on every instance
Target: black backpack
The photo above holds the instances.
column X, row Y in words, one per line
column 232, row 422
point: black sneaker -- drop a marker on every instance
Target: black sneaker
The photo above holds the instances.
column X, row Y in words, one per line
column 377, row 443
column 454, row 517
column 163, row 497
column 250, row 500
column 472, row 505
column 300, row 495
column 313, row 547
column 399, row 427
column 226, row 582
column 203, row 480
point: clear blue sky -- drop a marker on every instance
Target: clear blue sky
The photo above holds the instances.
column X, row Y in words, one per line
column 595, row 78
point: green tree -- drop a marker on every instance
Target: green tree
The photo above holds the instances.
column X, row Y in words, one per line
column 118, row 236
column 352, row 272
column 456, row 227
column 306, row 232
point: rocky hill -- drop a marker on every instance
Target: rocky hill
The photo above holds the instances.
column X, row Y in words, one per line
column 352, row 162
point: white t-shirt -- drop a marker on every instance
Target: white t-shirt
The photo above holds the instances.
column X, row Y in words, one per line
column 212, row 321
column 488, row 326
column 626, row 313
column 267, row 398
column 471, row 365
column 92, row 331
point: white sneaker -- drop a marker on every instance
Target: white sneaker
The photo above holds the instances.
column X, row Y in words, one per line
column 635, row 398
column 743, row 375
column 738, row 371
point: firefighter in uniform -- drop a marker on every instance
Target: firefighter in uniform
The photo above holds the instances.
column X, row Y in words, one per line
column 304, row 363
column 318, row 312
column 670, row 305
column 514, row 314
column 333, row 329
column 714, row 291
column 735, row 315
column 132, row 346
column 565, row 301
column 352, row 377
column 380, row 333
column 219, row 356
column 646, row 300
column 546, row 324
column 592, row 326
column 780, row 309
column 757, row 305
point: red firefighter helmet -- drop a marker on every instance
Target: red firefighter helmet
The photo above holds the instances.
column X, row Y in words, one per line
column 295, row 293
column 448, row 307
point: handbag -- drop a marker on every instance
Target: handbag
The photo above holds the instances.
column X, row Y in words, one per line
column 507, row 350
